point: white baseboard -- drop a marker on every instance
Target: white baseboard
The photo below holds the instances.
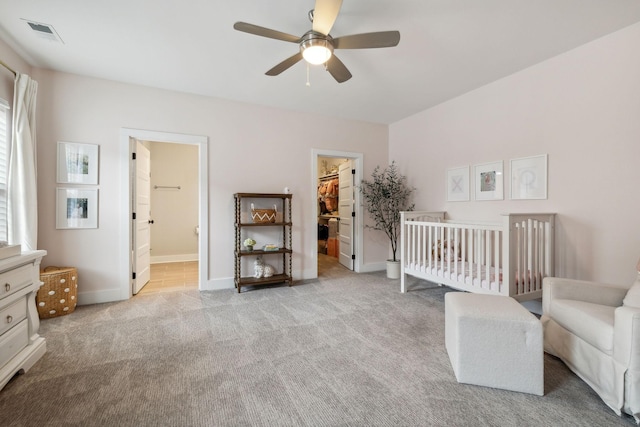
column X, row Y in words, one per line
column 99, row 297
column 373, row 267
column 174, row 258
column 217, row 284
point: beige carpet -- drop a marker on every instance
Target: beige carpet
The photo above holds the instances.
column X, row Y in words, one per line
column 344, row 350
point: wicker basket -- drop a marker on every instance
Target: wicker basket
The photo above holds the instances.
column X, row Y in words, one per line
column 59, row 293
column 260, row 216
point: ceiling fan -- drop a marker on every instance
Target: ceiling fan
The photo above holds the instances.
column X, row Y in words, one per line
column 317, row 46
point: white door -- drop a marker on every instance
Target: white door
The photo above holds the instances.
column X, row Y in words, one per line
column 142, row 209
column 346, row 212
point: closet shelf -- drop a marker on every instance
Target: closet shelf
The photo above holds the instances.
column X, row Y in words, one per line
column 328, row 177
column 327, row 216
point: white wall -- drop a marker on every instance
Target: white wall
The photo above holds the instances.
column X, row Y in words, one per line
column 583, row 109
column 251, row 149
column 174, row 211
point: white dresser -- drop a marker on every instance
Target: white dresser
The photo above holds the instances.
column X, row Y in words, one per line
column 20, row 344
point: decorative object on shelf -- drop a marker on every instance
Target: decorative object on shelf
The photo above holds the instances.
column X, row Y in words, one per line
column 270, row 247
column 458, row 184
column 489, row 181
column 384, row 197
column 76, row 208
column 77, row 163
column 249, row 243
column 529, row 177
column 261, row 269
column 260, row 216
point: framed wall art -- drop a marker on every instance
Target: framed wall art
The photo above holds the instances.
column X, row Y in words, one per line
column 458, row 184
column 489, row 181
column 77, row 163
column 529, row 177
column 76, row 208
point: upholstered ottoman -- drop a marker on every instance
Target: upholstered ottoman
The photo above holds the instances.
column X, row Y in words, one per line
column 494, row 341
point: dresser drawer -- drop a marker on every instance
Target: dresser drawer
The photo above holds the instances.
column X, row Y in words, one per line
column 14, row 280
column 12, row 315
column 12, row 341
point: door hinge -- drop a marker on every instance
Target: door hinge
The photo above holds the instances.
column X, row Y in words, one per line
column 133, row 156
column 353, row 171
column 353, row 256
column 353, row 214
column 134, row 215
column 134, row 275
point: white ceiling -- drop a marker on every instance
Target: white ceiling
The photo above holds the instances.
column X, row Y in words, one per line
column 447, row 47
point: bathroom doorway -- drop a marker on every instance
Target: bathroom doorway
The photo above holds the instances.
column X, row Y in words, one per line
column 129, row 137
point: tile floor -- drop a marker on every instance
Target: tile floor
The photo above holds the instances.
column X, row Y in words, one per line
column 172, row 276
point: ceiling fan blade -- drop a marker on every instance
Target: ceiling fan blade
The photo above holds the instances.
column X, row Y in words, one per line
column 265, row 32
column 368, row 40
column 284, row 65
column 338, row 70
column 325, row 14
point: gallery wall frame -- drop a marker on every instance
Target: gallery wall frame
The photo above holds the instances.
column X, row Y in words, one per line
column 77, row 163
column 529, row 177
column 76, row 208
column 489, row 181
column 458, row 184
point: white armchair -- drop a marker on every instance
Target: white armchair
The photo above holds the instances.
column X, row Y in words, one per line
column 594, row 329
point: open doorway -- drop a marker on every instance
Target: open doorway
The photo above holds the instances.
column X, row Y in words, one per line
column 173, row 220
column 130, row 138
column 336, row 210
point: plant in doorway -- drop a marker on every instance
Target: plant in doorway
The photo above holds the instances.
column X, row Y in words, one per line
column 384, row 197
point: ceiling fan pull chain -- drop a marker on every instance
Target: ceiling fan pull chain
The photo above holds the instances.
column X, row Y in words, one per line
column 308, row 83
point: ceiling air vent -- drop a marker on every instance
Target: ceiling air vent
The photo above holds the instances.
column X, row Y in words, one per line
column 44, row 31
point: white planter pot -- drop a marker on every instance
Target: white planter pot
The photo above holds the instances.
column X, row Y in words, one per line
column 393, row 269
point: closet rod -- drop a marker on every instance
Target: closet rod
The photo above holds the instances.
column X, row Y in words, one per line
column 8, row 68
column 177, row 187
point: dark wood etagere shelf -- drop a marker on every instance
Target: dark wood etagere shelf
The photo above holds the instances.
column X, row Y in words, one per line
column 244, row 222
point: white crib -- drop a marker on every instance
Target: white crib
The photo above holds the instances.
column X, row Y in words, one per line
column 508, row 258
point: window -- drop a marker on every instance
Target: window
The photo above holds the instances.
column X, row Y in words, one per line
column 4, row 162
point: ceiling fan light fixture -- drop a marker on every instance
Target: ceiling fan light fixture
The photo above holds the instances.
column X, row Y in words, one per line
column 316, row 55
column 316, row 50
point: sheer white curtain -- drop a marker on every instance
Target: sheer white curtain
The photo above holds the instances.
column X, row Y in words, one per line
column 22, row 199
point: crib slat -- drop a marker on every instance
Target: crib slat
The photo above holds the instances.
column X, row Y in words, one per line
column 430, row 246
column 523, row 258
column 479, row 259
column 463, row 255
column 487, row 256
column 497, row 262
column 455, row 252
column 529, row 267
column 531, row 274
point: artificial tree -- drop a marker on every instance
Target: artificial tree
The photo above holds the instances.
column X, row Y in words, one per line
column 384, row 197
